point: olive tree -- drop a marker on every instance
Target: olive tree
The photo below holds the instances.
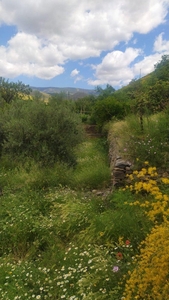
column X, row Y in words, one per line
column 45, row 132
column 10, row 91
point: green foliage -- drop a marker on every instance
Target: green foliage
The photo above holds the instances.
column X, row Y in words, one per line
column 10, row 91
column 104, row 93
column 44, row 132
column 149, row 94
column 85, row 105
column 158, row 96
column 105, row 110
column 161, row 68
column 59, row 97
column 150, row 145
column 59, row 243
column 92, row 157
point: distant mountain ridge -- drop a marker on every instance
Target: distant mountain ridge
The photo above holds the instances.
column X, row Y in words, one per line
column 70, row 91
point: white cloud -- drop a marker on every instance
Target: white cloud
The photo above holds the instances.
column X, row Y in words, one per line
column 26, row 54
column 51, row 33
column 146, row 65
column 76, row 76
column 115, row 68
column 75, row 72
column 161, row 45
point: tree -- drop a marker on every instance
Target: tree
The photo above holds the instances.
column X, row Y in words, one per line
column 162, row 68
column 10, row 91
column 104, row 93
column 45, row 132
column 158, row 96
column 105, row 110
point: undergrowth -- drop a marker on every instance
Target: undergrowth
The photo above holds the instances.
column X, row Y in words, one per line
column 61, row 240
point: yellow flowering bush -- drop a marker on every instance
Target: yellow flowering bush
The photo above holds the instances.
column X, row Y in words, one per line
column 150, row 187
column 150, row 278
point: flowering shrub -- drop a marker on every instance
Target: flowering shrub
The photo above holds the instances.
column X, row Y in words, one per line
column 149, row 280
column 152, row 192
column 150, row 147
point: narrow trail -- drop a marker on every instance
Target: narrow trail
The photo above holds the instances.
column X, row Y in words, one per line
column 91, row 131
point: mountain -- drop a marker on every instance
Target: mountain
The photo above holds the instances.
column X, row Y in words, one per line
column 70, row 92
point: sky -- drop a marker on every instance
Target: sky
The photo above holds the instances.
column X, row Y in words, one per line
column 81, row 43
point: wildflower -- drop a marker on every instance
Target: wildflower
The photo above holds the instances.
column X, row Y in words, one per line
column 115, row 269
column 165, row 197
column 119, row 256
column 127, row 242
column 101, row 233
column 165, row 180
column 135, row 172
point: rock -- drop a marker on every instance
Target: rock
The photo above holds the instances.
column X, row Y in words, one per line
column 118, row 165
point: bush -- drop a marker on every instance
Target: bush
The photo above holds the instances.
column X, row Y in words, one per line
column 148, row 145
column 44, row 132
column 149, row 279
column 105, row 110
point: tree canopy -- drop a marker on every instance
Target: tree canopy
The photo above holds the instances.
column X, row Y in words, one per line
column 10, row 91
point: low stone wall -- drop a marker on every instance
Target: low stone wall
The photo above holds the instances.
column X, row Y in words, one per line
column 119, row 165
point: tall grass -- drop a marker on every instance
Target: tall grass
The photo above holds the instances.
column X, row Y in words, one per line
column 92, row 170
column 59, row 240
column 150, row 144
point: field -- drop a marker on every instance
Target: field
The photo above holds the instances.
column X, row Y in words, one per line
column 66, row 234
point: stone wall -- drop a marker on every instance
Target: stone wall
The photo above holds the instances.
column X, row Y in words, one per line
column 119, row 165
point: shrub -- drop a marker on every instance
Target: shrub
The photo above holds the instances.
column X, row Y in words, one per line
column 104, row 110
column 149, row 280
column 44, row 132
column 148, row 145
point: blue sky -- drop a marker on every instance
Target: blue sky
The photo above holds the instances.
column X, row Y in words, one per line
column 83, row 43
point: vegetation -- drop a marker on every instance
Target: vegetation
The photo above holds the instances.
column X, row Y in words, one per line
column 65, row 233
column 45, row 132
column 10, row 91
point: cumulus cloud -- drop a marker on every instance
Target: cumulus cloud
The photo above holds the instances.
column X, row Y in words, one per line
column 161, row 45
column 26, row 54
column 146, row 65
column 76, row 76
column 115, row 68
column 49, row 35
column 75, row 72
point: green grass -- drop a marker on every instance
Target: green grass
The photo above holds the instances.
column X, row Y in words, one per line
column 59, row 240
column 139, row 146
column 92, row 170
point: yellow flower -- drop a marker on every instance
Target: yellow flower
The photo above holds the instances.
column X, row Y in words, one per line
column 131, row 177
column 144, row 170
column 159, row 196
column 165, row 180
column 101, row 233
column 165, row 197
column 135, row 172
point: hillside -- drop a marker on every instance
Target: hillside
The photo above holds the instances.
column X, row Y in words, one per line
column 70, row 92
